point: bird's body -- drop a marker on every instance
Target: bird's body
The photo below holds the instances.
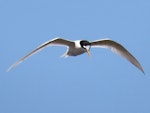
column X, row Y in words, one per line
column 78, row 47
column 75, row 50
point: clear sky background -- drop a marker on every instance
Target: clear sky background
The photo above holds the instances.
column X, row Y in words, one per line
column 47, row 83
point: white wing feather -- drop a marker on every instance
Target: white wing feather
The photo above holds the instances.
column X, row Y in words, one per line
column 119, row 49
column 55, row 41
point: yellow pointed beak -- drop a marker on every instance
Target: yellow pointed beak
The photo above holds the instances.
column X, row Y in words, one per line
column 88, row 51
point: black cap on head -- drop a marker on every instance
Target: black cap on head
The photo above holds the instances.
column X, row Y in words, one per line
column 85, row 43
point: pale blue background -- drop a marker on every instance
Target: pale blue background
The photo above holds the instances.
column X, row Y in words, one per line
column 46, row 83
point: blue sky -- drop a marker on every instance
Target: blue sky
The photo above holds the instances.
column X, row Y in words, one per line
column 47, row 83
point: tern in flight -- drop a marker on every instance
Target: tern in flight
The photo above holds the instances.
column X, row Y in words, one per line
column 79, row 47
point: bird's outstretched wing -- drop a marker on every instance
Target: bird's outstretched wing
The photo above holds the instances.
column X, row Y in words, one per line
column 119, row 49
column 55, row 41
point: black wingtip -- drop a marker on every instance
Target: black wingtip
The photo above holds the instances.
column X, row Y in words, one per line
column 143, row 71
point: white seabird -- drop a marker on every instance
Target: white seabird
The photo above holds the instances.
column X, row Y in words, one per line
column 78, row 47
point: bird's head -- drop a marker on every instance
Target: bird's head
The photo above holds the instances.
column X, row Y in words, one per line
column 86, row 45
